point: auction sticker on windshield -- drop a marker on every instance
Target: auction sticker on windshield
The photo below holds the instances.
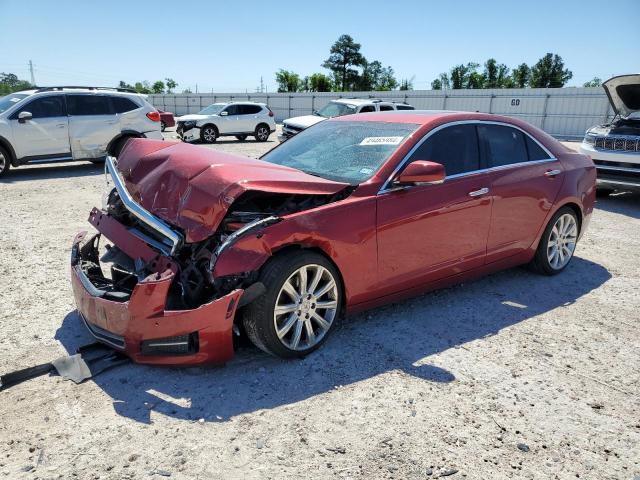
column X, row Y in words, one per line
column 381, row 141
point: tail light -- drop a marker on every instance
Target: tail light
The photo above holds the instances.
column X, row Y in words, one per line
column 270, row 112
column 153, row 116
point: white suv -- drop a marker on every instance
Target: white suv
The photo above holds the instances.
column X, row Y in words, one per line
column 337, row 108
column 56, row 124
column 237, row 119
column 615, row 146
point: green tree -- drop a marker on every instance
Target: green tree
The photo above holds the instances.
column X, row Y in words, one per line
column 319, row 83
column 407, row 84
column 594, row 82
column 10, row 82
column 495, row 74
column 171, row 84
column 375, row 77
column 142, row 87
column 344, row 55
column 123, row 84
column 288, row 81
column 549, row 72
column 521, row 75
column 158, row 87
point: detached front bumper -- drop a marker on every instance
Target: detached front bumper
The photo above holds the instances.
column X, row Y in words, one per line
column 140, row 324
column 188, row 133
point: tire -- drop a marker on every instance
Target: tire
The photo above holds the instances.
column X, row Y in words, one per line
column 603, row 192
column 208, row 134
column 562, row 232
column 242, row 138
column 262, row 132
column 260, row 320
column 5, row 162
column 163, row 126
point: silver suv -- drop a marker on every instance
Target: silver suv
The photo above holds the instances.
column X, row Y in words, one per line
column 237, row 119
column 56, row 124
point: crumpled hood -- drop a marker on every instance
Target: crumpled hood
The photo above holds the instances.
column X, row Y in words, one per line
column 304, row 121
column 624, row 93
column 192, row 117
column 192, row 187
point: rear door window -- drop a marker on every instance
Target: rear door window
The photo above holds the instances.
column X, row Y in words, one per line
column 404, row 107
column 45, row 107
column 248, row 109
column 123, row 104
column 502, row 145
column 455, row 147
column 88, row 105
column 368, row 108
column 386, row 108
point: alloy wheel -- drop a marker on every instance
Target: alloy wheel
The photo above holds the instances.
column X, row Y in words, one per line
column 305, row 307
column 209, row 134
column 263, row 133
column 3, row 162
column 562, row 241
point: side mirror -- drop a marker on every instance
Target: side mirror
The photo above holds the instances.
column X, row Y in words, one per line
column 224, row 114
column 24, row 116
column 422, row 172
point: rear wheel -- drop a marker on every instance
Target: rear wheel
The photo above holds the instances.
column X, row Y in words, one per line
column 118, row 146
column 262, row 133
column 242, row 138
column 295, row 315
column 163, row 126
column 558, row 243
column 208, row 134
column 5, row 162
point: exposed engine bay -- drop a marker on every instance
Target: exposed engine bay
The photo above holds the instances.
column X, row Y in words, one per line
column 194, row 283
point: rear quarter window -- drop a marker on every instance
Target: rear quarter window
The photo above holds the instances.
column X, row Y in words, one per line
column 123, row 104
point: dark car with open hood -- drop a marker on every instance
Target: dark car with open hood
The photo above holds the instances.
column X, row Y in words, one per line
column 194, row 246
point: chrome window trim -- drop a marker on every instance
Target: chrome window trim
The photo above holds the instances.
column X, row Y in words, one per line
column 138, row 211
column 388, row 187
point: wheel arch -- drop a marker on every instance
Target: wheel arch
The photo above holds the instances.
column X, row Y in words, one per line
column 123, row 134
column 9, row 148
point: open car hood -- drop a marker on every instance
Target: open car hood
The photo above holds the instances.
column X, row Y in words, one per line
column 192, row 187
column 624, row 93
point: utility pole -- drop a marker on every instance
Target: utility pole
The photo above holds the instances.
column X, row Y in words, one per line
column 33, row 79
column 196, row 88
column 261, row 85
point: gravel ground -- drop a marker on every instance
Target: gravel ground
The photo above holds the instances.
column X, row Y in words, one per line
column 512, row 376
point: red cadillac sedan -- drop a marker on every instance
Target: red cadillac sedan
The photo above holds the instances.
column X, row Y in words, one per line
column 194, row 246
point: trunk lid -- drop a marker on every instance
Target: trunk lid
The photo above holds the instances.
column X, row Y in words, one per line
column 624, row 93
column 192, row 187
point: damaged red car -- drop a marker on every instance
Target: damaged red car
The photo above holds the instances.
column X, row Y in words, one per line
column 194, row 246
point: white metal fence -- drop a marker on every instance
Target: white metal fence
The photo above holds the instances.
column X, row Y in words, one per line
column 562, row 112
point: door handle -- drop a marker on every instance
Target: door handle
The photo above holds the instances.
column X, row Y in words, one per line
column 61, row 125
column 478, row 193
column 552, row 173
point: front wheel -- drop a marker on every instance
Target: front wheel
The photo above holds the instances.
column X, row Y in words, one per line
column 262, row 133
column 208, row 134
column 5, row 162
column 558, row 243
column 295, row 315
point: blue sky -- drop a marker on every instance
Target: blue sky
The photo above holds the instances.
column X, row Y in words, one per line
column 228, row 45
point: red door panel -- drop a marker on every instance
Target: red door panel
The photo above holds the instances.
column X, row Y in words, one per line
column 430, row 232
column 523, row 196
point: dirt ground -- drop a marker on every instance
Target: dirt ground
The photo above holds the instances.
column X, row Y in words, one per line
column 512, row 376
